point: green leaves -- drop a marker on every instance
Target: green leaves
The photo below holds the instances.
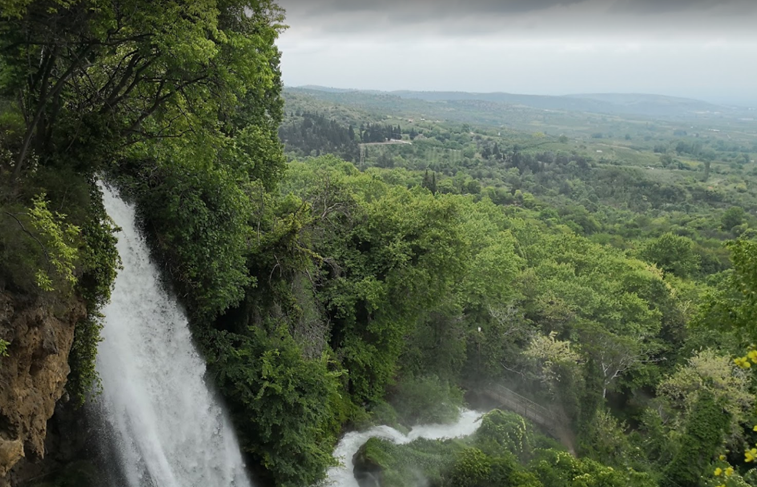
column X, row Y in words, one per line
column 40, row 243
column 733, row 302
column 200, row 217
column 59, row 243
column 672, row 253
column 136, row 74
column 282, row 404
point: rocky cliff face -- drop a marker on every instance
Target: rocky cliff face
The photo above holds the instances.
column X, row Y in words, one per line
column 33, row 374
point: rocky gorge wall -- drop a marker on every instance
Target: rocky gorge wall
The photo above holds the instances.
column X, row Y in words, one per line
column 32, row 376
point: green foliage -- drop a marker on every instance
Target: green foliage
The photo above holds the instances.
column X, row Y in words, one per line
column 99, row 256
column 560, row 469
column 59, row 243
column 398, row 256
column 504, row 451
column 672, row 253
column 732, row 217
column 426, row 400
column 129, row 78
column 198, row 219
column 608, row 442
column 709, row 373
column 75, row 254
column 479, row 460
column 187, row 92
column 732, row 303
column 40, row 247
column 285, row 408
column 472, row 468
column 316, row 292
column 552, row 355
column 437, row 345
column 701, row 441
column 507, row 431
column 83, row 380
column 100, row 264
column 407, row 465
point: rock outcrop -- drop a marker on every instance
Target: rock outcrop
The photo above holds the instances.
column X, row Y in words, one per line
column 368, row 472
column 33, row 374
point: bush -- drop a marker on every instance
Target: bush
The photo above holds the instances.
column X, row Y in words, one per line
column 38, row 247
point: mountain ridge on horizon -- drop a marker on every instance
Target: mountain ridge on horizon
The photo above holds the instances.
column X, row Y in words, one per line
column 640, row 104
column 331, row 89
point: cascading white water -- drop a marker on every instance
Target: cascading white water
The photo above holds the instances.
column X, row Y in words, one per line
column 168, row 429
column 342, row 476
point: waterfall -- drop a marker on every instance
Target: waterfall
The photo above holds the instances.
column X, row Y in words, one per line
column 166, row 426
column 342, row 476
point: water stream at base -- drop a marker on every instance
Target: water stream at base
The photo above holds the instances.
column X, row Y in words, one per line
column 342, row 476
column 166, row 426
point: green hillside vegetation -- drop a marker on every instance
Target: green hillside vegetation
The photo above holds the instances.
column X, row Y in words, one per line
column 499, row 246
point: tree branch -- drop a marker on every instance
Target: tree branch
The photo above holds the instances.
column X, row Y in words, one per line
column 41, row 245
column 24, row 152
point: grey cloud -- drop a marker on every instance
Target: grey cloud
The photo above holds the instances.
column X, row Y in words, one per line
column 448, row 8
column 455, row 18
column 438, row 8
column 652, row 7
column 679, row 47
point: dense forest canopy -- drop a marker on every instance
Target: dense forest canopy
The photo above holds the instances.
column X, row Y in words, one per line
column 335, row 278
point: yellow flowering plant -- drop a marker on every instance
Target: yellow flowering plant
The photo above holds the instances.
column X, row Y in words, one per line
column 724, row 473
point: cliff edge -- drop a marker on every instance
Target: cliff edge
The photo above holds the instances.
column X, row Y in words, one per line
column 33, row 374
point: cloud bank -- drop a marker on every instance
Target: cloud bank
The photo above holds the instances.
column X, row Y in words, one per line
column 701, row 48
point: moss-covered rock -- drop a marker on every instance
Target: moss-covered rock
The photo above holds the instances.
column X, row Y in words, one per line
column 381, row 462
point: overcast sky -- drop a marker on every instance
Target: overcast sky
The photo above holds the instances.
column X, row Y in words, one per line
column 693, row 48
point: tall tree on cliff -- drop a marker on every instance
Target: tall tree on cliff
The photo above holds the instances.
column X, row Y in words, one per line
column 183, row 96
column 90, row 78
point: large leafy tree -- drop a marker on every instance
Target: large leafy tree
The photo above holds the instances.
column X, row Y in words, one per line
column 182, row 98
column 91, row 77
column 672, row 253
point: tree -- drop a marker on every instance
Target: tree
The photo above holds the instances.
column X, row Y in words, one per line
column 672, row 253
column 429, row 181
column 731, row 217
column 700, row 442
column 716, row 374
column 733, row 304
column 614, row 354
column 111, row 74
column 281, row 403
column 552, row 354
column 666, row 160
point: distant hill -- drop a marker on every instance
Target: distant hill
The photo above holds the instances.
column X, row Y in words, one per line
column 611, row 103
column 324, row 88
column 641, row 105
